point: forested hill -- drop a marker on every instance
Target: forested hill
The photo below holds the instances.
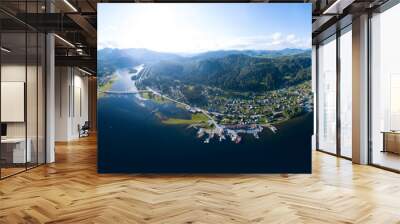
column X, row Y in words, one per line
column 257, row 70
column 110, row 59
column 237, row 72
column 252, row 53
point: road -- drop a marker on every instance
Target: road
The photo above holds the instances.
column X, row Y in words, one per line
column 143, row 71
column 184, row 104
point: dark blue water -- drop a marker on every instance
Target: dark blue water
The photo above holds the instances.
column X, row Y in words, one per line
column 132, row 140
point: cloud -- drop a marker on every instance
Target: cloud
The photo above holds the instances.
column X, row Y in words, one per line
column 107, row 44
column 171, row 28
column 274, row 41
column 276, row 36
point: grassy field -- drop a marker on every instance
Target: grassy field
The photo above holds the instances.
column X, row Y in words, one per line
column 181, row 106
column 198, row 118
column 145, row 95
column 156, row 98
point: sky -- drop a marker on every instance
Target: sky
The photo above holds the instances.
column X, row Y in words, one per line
column 194, row 28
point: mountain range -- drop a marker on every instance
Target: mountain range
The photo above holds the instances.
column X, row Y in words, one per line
column 248, row 70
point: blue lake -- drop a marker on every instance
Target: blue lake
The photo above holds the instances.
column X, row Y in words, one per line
column 132, row 139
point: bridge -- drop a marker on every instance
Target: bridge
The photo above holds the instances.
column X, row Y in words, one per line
column 124, row 92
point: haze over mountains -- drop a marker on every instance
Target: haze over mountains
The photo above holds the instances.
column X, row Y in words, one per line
column 142, row 55
column 248, row 70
